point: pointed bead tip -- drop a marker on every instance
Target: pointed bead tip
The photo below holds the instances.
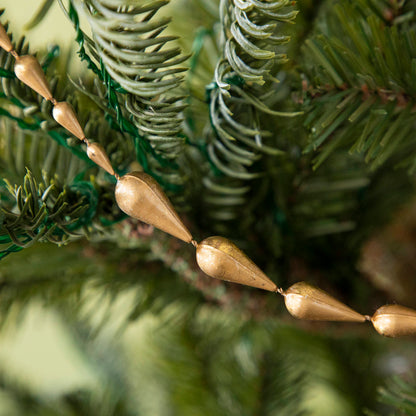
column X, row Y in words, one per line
column 64, row 114
column 141, row 197
column 222, row 259
column 29, row 71
column 5, row 42
column 99, row 156
column 304, row 301
column 394, row 321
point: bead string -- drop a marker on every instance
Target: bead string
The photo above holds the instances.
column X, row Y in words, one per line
column 141, row 197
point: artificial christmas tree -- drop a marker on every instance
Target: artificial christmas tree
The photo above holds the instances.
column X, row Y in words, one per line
column 298, row 160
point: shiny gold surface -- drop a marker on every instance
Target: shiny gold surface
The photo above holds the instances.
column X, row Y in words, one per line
column 65, row 115
column 394, row 321
column 29, row 71
column 98, row 155
column 220, row 258
column 304, row 301
column 141, row 197
column 5, row 40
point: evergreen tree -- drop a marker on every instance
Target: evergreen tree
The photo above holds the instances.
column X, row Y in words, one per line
column 287, row 128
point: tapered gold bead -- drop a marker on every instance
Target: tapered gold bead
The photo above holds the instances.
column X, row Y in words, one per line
column 141, row 197
column 64, row 114
column 29, row 71
column 221, row 259
column 394, row 321
column 98, row 155
column 304, row 301
column 5, row 42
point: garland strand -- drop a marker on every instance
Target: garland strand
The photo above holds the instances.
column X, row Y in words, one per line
column 141, row 197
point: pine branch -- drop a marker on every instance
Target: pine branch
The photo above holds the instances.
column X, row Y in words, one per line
column 27, row 108
column 360, row 90
column 400, row 395
column 21, row 104
column 57, row 205
column 45, row 212
column 145, row 74
column 326, row 201
column 40, row 14
column 108, row 399
column 183, row 348
column 108, row 270
column 53, row 203
column 243, row 91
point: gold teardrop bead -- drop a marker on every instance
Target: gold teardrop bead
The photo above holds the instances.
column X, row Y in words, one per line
column 5, row 40
column 141, row 197
column 99, row 156
column 29, row 71
column 304, row 301
column 64, row 114
column 221, row 259
column 394, row 321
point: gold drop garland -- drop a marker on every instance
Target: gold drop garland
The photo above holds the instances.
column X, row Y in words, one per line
column 141, row 197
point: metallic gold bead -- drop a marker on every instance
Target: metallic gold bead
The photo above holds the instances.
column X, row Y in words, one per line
column 394, row 321
column 5, row 40
column 29, row 71
column 141, row 197
column 64, row 114
column 304, row 301
column 221, row 259
column 99, row 156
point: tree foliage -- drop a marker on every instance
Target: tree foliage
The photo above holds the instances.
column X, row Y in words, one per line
column 286, row 127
